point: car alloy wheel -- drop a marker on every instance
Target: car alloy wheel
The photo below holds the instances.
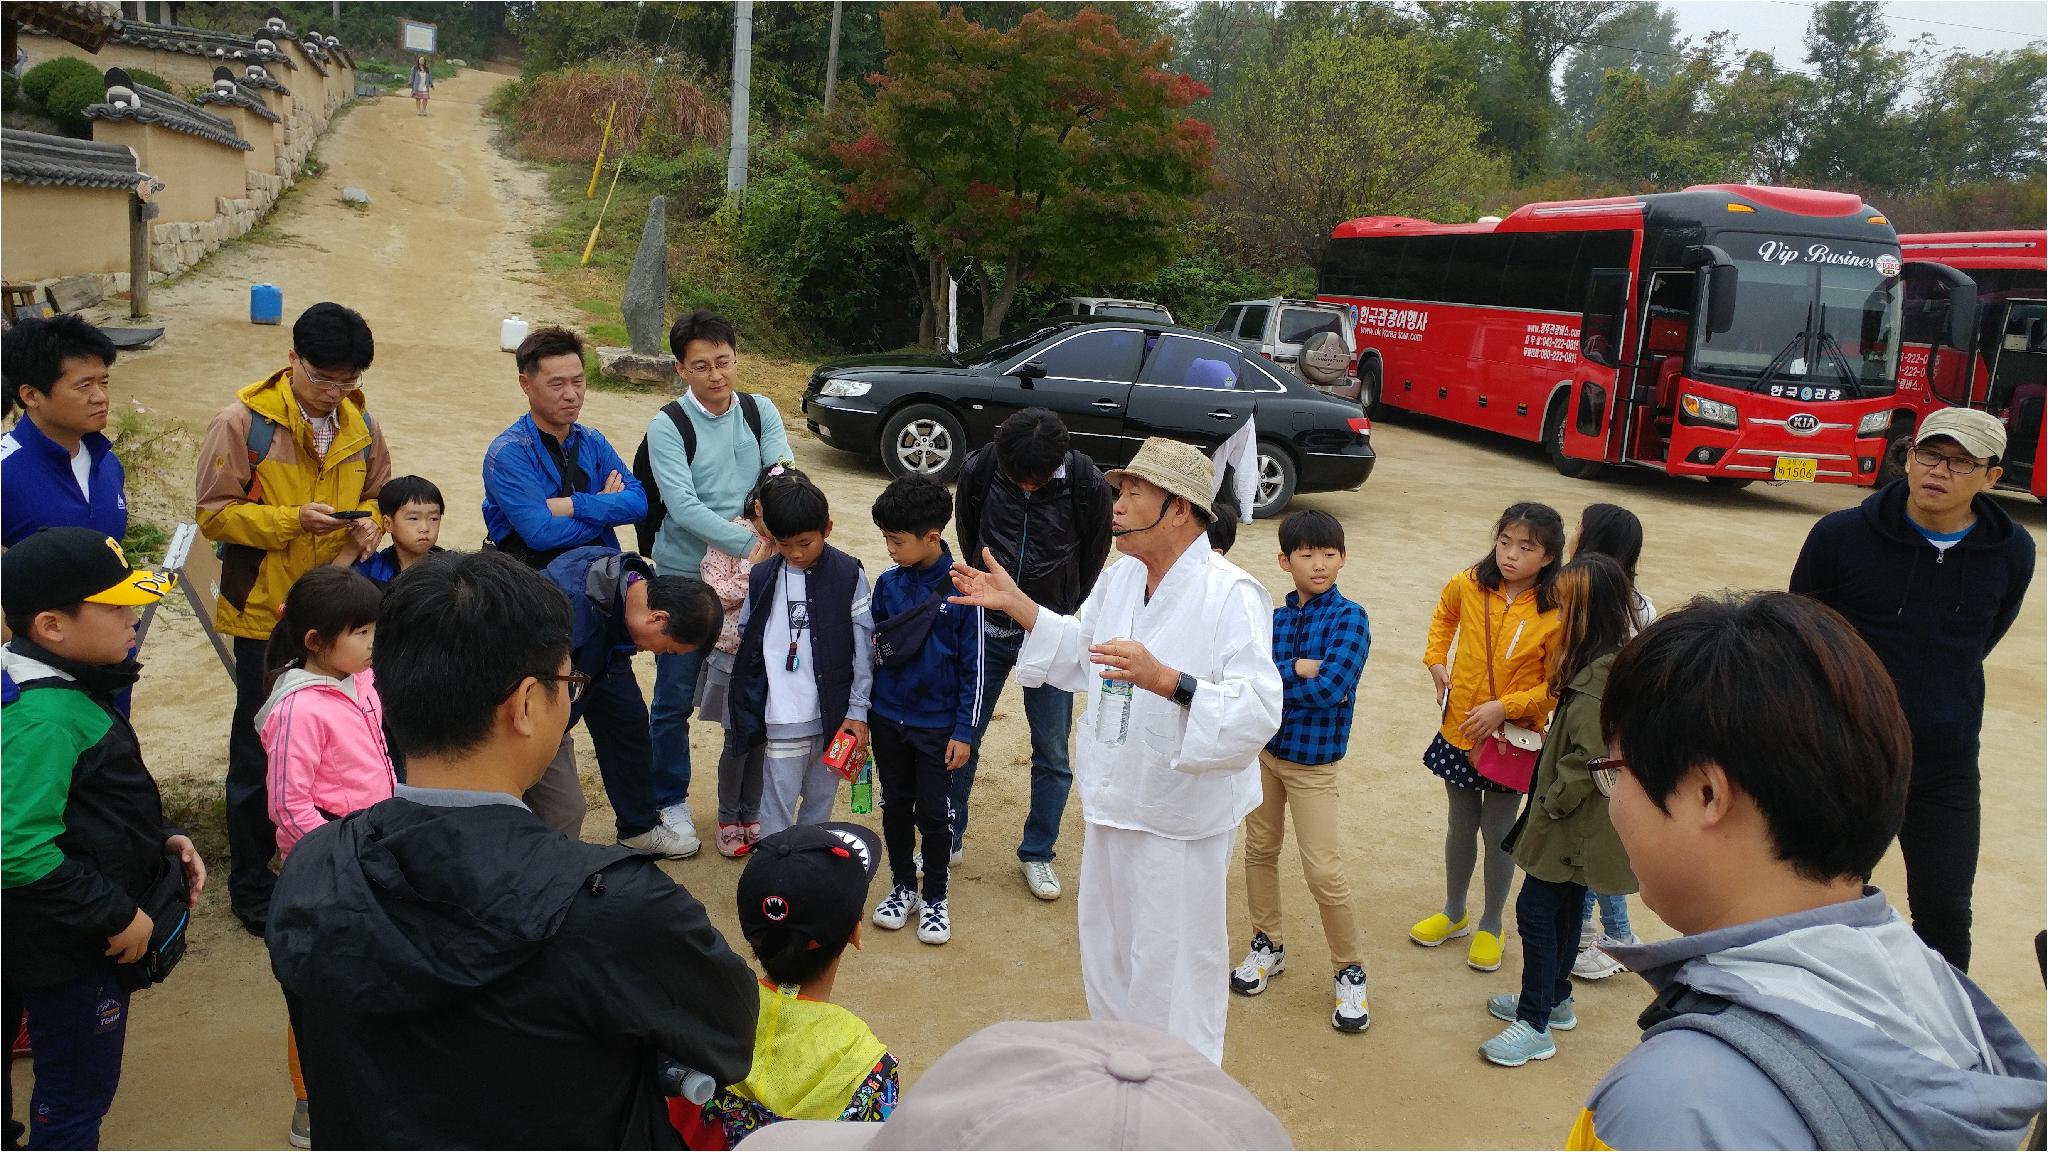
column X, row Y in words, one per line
column 925, row 447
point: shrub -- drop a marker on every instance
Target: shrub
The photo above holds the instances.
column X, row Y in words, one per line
column 149, row 79
column 66, row 102
column 9, row 88
column 560, row 115
column 44, row 78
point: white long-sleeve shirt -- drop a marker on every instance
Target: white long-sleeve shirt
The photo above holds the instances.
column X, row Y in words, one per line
column 1183, row 773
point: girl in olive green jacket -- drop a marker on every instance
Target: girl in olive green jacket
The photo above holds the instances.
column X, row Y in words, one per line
column 1564, row 840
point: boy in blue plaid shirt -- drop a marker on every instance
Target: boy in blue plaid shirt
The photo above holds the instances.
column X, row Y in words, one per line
column 1320, row 641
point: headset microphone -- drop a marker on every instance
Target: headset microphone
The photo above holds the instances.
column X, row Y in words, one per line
column 1165, row 506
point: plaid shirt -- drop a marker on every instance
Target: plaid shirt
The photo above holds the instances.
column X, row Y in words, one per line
column 1315, row 715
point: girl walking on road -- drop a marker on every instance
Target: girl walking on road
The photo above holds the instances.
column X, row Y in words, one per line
column 422, row 82
column 1503, row 611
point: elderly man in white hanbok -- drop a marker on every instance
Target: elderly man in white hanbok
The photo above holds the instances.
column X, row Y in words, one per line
column 1174, row 651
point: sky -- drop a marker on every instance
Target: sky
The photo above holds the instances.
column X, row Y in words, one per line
column 1779, row 26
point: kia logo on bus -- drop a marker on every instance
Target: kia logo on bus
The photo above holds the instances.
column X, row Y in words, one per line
column 1802, row 424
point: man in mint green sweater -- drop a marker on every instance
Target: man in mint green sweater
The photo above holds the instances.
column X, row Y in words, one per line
column 704, row 479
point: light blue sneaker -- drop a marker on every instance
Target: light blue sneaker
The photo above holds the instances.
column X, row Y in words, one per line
column 1518, row 1044
column 1563, row 1018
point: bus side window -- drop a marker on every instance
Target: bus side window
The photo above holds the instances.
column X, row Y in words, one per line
column 1600, row 324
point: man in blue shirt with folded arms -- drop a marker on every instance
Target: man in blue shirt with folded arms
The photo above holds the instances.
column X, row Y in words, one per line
column 551, row 484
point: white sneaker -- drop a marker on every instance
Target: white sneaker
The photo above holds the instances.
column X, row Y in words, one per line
column 1594, row 964
column 935, row 927
column 1350, row 1014
column 896, row 908
column 677, row 817
column 663, row 841
column 1039, row 877
column 958, row 854
column 1265, row 961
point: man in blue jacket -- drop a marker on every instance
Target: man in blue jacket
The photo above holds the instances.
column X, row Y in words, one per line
column 1931, row 572
column 618, row 607
column 551, row 484
column 57, row 468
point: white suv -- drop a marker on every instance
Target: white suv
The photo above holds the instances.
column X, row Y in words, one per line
column 1288, row 331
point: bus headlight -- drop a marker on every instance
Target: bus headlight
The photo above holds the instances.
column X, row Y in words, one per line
column 1705, row 411
column 1874, row 423
column 845, row 389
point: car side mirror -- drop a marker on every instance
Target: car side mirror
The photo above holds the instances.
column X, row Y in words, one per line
column 1028, row 372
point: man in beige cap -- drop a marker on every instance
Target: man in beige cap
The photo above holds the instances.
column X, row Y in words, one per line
column 1174, row 651
column 1931, row 571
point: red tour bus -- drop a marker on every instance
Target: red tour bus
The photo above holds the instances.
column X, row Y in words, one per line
column 2001, row 369
column 1732, row 332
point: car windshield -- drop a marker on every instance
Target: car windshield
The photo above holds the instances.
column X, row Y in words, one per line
column 1818, row 319
column 1007, row 345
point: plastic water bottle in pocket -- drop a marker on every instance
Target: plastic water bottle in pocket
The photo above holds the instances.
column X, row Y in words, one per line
column 863, row 796
column 1113, row 713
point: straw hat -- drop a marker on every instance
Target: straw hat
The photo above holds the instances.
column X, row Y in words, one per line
column 1182, row 469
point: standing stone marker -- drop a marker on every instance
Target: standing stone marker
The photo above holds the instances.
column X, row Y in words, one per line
column 645, row 300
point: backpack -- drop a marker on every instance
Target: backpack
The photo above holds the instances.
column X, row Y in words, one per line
column 262, row 430
column 983, row 465
column 241, row 563
column 649, row 526
column 1834, row 1113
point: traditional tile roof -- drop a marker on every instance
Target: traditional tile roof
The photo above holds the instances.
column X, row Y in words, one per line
column 265, row 81
column 36, row 158
column 315, row 55
column 241, row 97
column 221, row 46
column 166, row 110
column 82, row 22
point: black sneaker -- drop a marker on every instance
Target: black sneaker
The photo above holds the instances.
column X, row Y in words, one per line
column 1265, row 961
column 1350, row 1014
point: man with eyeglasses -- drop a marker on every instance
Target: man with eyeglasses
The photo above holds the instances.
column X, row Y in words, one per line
column 286, row 473
column 619, row 606
column 706, row 450
column 1931, row 571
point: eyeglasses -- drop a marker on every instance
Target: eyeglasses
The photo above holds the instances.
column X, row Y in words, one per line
column 1606, row 772
column 700, row 367
column 1957, row 465
column 312, row 377
column 576, row 682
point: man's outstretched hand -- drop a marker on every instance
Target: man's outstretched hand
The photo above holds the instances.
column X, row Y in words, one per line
column 993, row 591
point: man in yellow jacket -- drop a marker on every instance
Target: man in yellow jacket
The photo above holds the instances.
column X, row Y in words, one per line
column 283, row 474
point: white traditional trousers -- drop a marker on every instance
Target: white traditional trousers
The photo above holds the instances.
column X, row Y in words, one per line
column 1155, row 933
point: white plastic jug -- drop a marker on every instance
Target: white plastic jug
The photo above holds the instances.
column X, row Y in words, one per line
column 511, row 333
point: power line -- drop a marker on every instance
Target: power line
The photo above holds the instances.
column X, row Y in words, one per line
column 2029, row 36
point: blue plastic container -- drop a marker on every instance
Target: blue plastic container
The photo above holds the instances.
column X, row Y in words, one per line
column 266, row 304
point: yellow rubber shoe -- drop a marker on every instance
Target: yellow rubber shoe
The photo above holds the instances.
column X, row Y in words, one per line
column 1484, row 955
column 1438, row 928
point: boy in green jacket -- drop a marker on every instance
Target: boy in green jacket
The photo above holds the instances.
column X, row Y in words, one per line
column 83, row 841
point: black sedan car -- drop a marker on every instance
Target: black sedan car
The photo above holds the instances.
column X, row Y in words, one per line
column 1113, row 383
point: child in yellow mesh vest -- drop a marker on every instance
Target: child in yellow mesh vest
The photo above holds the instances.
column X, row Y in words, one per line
column 801, row 901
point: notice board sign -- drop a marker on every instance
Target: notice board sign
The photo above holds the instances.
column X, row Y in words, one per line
column 417, row 37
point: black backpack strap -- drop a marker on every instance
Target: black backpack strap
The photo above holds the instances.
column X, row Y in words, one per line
column 1835, row 1114
column 750, row 411
column 684, row 428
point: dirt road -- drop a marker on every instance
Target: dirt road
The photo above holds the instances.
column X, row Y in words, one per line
column 441, row 254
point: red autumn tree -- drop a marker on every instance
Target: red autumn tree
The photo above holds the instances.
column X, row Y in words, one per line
column 1057, row 149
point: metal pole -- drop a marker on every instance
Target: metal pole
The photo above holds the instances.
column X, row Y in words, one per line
column 832, row 59
column 742, row 74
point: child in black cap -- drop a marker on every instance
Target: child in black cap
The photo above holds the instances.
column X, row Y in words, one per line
column 97, row 884
column 802, row 897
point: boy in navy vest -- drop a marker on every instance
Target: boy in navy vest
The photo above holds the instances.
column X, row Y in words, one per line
column 806, row 661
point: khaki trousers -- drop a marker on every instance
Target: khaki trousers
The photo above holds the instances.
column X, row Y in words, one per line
column 1311, row 791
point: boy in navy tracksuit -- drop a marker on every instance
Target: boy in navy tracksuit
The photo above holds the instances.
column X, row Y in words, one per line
column 927, row 698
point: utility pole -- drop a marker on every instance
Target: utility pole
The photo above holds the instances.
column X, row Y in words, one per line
column 832, row 59
column 742, row 73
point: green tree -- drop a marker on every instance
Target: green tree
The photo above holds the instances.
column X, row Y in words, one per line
column 1852, row 135
column 1981, row 118
column 1346, row 128
column 1055, row 149
column 1512, row 50
column 1760, row 112
column 1642, row 39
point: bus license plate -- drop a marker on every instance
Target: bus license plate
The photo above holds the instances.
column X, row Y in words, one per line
column 1795, row 468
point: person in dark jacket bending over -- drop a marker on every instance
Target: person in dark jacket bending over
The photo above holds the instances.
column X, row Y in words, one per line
column 459, row 973
column 1043, row 510
column 1930, row 571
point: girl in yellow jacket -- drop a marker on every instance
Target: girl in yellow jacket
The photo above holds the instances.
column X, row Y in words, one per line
column 1508, row 597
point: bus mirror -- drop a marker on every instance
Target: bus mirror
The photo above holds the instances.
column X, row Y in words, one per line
column 1720, row 270
column 1962, row 318
column 1961, row 330
column 1720, row 298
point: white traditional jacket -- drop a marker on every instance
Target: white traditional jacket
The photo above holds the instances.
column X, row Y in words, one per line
column 1184, row 773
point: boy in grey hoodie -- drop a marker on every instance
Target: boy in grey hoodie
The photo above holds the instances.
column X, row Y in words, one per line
column 1757, row 773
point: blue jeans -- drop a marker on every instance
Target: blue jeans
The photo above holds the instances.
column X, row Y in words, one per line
column 1049, row 714
column 1613, row 913
column 616, row 718
column 668, row 725
column 1547, row 916
column 78, row 1029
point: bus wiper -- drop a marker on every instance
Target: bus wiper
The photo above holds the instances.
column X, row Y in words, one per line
column 1779, row 361
column 1831, row 347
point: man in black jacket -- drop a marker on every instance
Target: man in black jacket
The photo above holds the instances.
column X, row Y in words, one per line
column 1931, row 572
column 1043, row 510
column 460, row 974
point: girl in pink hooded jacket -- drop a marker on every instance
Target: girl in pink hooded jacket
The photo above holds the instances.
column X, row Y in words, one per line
column 323, row 729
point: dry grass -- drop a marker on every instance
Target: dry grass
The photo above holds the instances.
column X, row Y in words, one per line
column 560, row 115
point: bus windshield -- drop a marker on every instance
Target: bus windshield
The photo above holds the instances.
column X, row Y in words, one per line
column 1815, row 319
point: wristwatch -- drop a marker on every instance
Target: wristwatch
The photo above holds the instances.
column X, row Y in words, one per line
column 1184, row 691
